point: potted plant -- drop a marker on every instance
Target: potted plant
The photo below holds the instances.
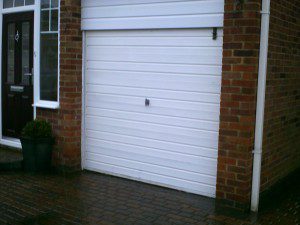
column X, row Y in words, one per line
column 37, row 142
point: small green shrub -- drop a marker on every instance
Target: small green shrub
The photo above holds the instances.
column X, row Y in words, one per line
column 37, row 129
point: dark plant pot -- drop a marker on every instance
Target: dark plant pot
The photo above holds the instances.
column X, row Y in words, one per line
column 37, row 154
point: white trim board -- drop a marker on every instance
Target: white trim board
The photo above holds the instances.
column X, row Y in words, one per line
column 151, row 14
column 26, row 8
column 36, row 53
column 38, row 103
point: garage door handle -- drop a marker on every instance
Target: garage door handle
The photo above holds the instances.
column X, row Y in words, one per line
column 147, row 102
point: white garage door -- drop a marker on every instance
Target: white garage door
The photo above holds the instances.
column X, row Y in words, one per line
column 161, row 53
column 173, row 141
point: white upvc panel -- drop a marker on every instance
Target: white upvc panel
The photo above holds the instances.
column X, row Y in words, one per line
column 99, row 3
column 151, row 14
column 153, row 41
column 154, row 9
column 158, row 22
column 188, row 33
column 174, row 141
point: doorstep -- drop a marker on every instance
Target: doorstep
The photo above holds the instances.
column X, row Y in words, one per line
column 10, row 159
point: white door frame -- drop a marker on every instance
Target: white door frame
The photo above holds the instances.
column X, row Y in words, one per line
column 36, row 9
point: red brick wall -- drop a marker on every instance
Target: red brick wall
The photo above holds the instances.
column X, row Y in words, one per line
column 238, row 102
column 66, row 121
column 281, row 146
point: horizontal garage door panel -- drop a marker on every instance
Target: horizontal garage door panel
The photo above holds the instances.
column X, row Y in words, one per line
column 150, row 156
column 155, row 67
column 172, row 142
column 151, row 127
column 147, row 143
column 151, row 77
column 167, row 42
column 145, row 42
column 154, row 131
column 200, row 111
column 153, row 178
column 153, row 81
column 111, row 15
column 162, row 33
column 158, row 94
column 161, row 55
column 153, row 164
column 151, row 118
column 202, row 157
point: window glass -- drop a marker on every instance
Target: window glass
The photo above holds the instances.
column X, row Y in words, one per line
column 54, row 20
column 49, row 50
column 8, row 3
column 54, row 3
column 45, row 4
column 16, row 3
column 45, row 20
column 19, row 3
column 49, row 67
column 29, row 2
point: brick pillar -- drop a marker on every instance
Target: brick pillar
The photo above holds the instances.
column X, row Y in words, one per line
column 66, row 121
column 238, row 102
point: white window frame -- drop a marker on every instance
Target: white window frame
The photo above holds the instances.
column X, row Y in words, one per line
column 37, row 102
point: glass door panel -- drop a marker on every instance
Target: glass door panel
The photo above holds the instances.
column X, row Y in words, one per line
column 26, row 70
column 11, row 35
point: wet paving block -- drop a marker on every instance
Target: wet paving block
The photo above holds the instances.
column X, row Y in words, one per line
column 93, row 198
column 282, row 204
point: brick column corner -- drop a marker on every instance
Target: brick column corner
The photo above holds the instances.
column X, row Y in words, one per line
column 238, row 102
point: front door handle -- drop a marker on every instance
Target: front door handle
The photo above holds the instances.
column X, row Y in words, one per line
column 29, row 74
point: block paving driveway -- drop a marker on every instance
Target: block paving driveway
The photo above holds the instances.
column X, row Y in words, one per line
column 91, row 198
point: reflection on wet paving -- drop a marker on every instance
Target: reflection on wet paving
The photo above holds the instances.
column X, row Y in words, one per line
column 283, row 206
column 91, row 198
